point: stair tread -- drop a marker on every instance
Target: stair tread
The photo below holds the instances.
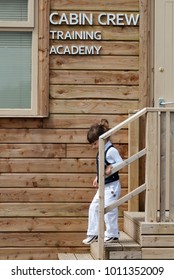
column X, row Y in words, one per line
column 74, row 256
column 125, row 242
column 126, row 247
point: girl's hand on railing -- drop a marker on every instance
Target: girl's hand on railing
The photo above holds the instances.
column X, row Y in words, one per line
column 108, row 170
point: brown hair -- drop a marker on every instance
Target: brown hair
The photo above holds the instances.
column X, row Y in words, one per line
column 96, row 130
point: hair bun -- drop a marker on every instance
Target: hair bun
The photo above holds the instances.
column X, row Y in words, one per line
column 104, row 123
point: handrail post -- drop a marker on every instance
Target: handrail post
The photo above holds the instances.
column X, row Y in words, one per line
column 101, row 200
column 151, row 167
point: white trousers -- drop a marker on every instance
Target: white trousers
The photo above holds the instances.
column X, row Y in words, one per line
column 112, row 193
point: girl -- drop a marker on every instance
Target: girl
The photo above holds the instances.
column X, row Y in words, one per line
column 112, row 187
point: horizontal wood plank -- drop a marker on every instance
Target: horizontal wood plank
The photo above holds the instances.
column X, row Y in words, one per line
column 66, row 256
column 32, row 150
column 58, row 224
column 46, row 195
column 158, row 253
column 83, row 256
column 48, row 239
column 85, row 151
column 94, row 62
column 88, row 91
column 44, row 209
column 49, row 165
column 111, row 5
column 94, row 77
column 52, row 136
column 21, row 123
column 157, row 240
column 46, row 224
column 77, row 256
column 125, row 255
column 36, row 253
column 48, row 209
column 83, row 121
column 45, row 180
column 157, row 228
column 92, row 106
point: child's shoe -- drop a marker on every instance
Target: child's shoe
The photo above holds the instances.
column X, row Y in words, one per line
column 90, row 239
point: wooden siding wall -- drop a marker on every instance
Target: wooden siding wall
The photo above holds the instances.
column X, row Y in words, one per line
column 46, row 165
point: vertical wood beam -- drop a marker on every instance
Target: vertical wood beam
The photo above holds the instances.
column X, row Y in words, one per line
column 151, row 167
column 159, row 159
column 171, row 187
column 162, row 162
column 168, row 163
column 144, row 9
column 43, row 102
column 101, row 200
column 133, row 168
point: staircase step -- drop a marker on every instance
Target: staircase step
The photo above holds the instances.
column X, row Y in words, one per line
column 74, row 256
column 125, row 248
column 133, row 224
